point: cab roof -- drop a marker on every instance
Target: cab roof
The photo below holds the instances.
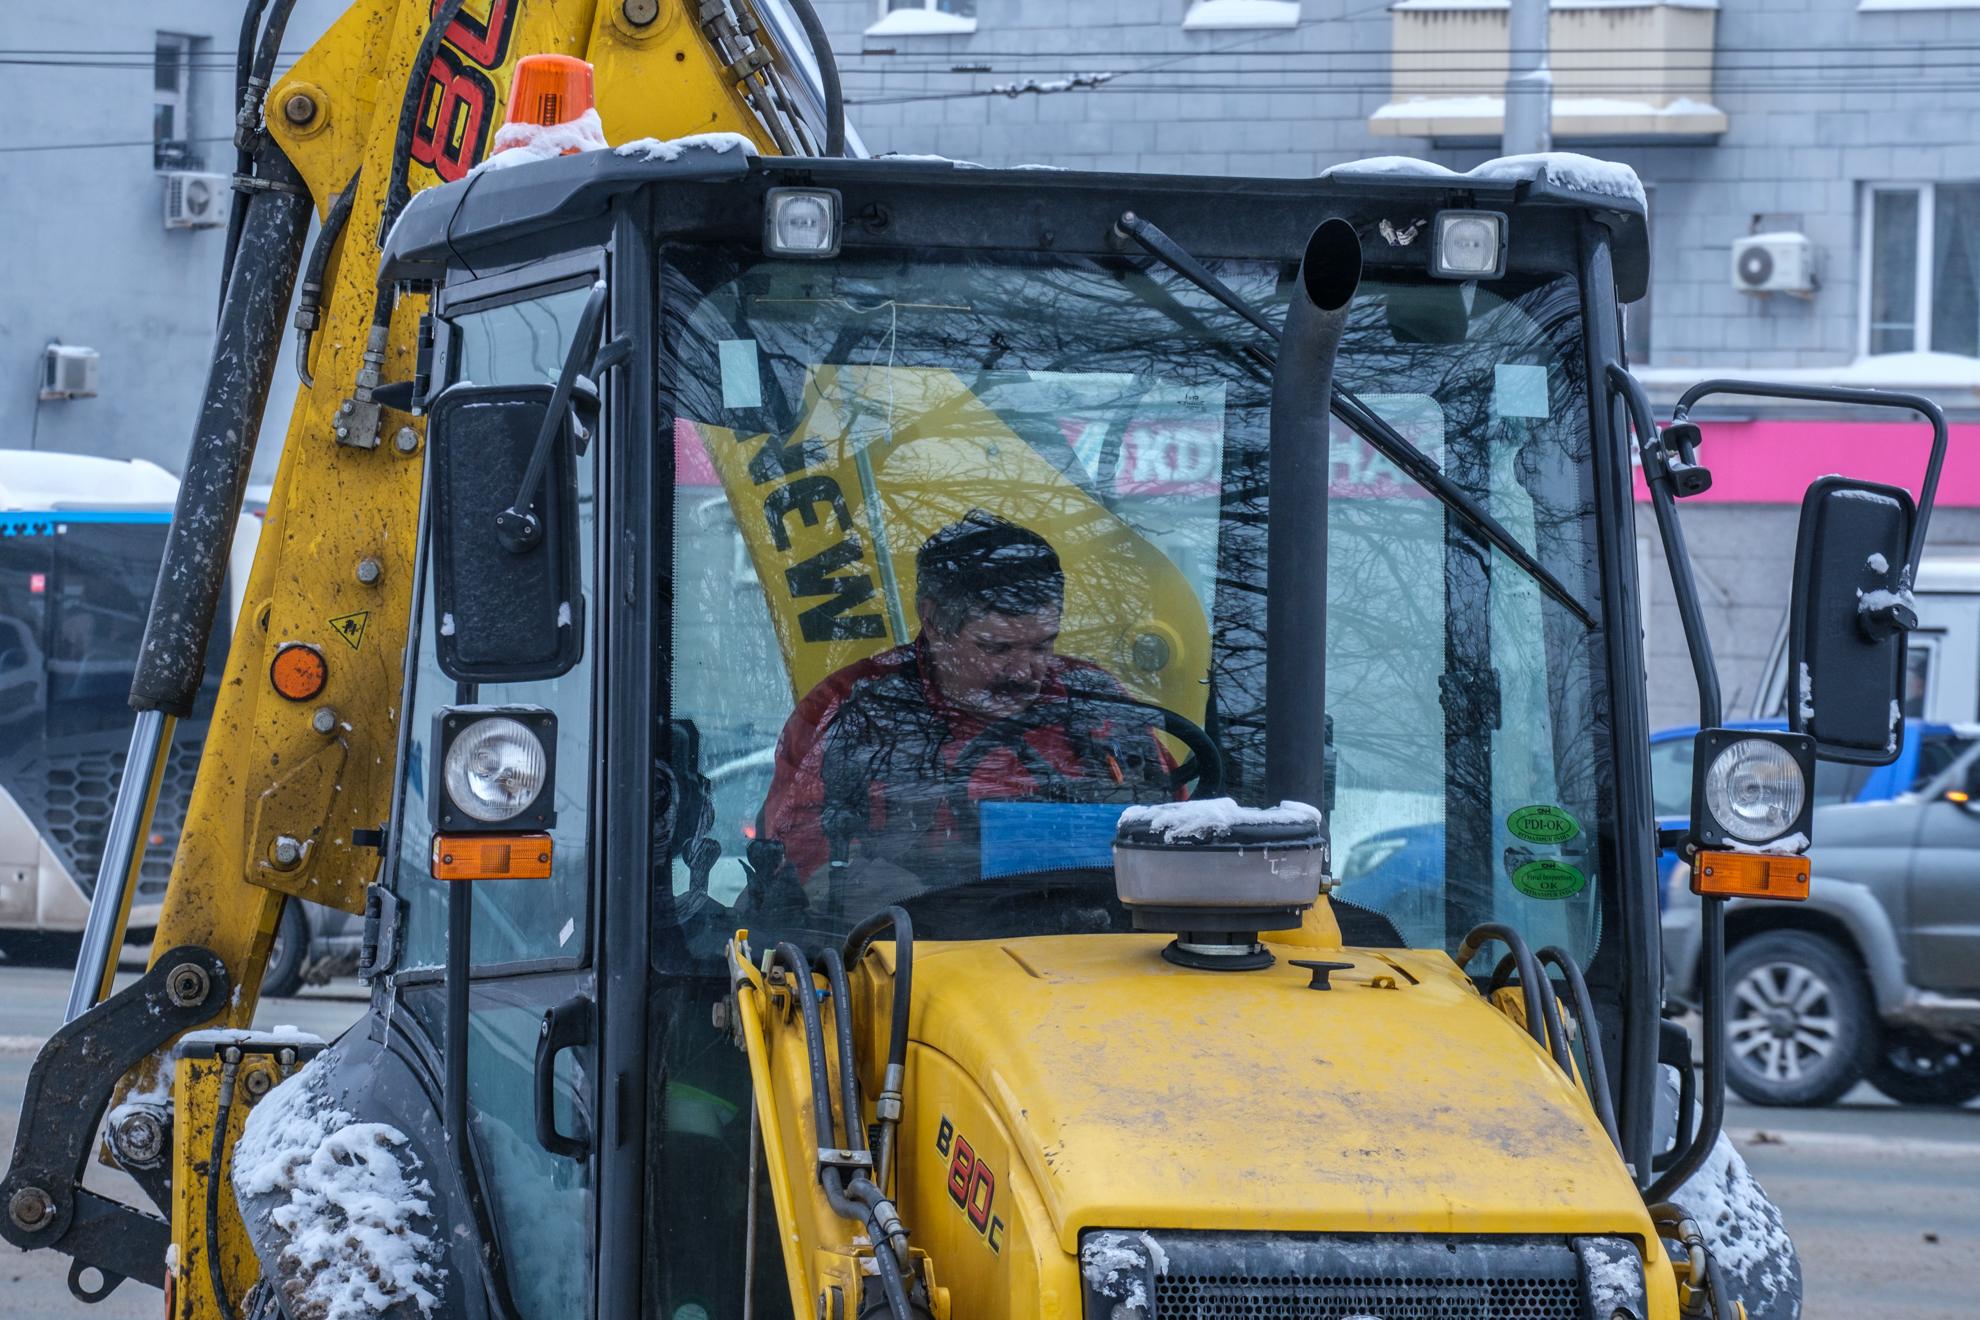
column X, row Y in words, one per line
column 488, row 220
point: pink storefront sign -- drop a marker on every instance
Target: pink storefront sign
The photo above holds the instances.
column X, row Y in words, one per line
column 1772, row 462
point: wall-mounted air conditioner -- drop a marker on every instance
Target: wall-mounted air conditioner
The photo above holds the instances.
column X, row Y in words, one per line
column 1774, row 263
column 68, row 371
column 195, row 201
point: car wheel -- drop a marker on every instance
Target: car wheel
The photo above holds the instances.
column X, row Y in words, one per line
column 282, row 976
column 1798, row 1022
column 1918, row 1068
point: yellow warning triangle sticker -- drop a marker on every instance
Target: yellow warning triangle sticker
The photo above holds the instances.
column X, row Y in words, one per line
column 350, row 627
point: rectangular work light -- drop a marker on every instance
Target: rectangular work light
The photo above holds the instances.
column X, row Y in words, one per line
column 495, row 769
column 1468, row 245
column 801, row 222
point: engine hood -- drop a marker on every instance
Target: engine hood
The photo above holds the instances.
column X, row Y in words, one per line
column 1139, row 1094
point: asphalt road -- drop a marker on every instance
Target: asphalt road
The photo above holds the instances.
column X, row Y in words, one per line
column 1883, row 1202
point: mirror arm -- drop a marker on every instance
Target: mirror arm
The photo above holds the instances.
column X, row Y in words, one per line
column 1663, row 502
column 1916, row 403
column 516, row 527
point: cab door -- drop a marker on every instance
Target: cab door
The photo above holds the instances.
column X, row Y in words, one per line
column 531, row 1091
column 1939, row 922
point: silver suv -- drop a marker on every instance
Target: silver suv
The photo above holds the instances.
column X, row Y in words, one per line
column 1877, row 975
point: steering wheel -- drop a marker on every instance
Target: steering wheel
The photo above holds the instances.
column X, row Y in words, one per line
column 1205, row 763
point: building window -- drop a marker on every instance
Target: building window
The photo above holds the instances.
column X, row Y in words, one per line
column 1921, row 260
column 924, row 18
column 171, row 103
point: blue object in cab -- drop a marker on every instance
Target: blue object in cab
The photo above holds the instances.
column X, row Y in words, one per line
column 1928, row 748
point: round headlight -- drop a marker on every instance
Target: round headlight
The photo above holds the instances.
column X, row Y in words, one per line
column 494, row 770
column 1754, row 790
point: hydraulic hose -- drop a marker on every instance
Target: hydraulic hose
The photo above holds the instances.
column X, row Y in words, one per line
column 888, row 1104
column 243, row 162
column 1537, row 1014
column 1703, row 1275
column 309, row 303
column 1712, row 928
column 1296, row 540
column 397, row 190
column 1549, row 1010
column 834, row 968
column 860, row 1201
column 1591, row 1037
column 248, row 94
column 230, row 1065
column 828, row 74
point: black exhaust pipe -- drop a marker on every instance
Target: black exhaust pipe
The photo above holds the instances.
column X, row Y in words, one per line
column 1296, row 527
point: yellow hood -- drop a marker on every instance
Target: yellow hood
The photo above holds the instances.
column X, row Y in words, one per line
column 1135, row 1093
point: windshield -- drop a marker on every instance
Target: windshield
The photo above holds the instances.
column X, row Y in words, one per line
column 969, row 553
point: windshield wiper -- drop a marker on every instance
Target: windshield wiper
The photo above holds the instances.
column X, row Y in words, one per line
column 1371, row 425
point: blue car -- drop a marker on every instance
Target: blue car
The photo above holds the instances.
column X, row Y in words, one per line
column 1927, row 750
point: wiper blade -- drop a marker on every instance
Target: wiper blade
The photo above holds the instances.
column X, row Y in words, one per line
column 1371, row 425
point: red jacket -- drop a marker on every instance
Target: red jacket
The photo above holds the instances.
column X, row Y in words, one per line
column 873, row 755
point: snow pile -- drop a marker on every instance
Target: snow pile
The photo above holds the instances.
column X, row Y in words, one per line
column 1217, row 15
column 1742, row 1228
column 353, row 1249
column 1876, row 563
column 1805, row 695
column 1117, row 1265
column 1214, row 817
column 671, row 148
column 519, row 144
column 922, row 23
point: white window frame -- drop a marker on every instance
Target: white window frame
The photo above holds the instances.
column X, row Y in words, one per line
column 1921, row 310
column 180, row 99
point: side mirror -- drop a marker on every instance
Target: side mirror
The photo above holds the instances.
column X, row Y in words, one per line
column 510, row 608
column 1850, row 613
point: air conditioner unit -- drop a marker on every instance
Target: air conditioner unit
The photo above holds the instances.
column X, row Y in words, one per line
column 195, row 201
column 1774, row 263
column 68, row 371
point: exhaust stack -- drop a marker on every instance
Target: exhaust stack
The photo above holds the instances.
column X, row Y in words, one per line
column 1296, row 536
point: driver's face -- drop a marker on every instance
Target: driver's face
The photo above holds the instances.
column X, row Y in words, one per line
column 994, row 664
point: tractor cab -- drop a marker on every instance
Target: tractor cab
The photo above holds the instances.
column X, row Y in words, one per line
column 816, row 548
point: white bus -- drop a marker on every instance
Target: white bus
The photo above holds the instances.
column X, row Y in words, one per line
column 80, row 543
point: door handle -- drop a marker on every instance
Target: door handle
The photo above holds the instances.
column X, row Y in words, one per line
column 565, row 1026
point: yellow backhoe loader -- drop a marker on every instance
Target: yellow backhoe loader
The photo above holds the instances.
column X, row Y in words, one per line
column 921, row 741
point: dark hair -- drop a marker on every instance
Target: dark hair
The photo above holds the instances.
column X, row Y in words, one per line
column 982, row 565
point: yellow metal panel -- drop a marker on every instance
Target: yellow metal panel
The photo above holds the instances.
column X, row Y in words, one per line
column 195, row 1106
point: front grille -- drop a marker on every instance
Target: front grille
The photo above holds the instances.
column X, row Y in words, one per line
column 68, row 794
column 1282, row 1276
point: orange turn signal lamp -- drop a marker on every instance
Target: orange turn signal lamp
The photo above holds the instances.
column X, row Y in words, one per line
column 298, row 671
column 550, row 89
column 1750, row 875
column 491, row 856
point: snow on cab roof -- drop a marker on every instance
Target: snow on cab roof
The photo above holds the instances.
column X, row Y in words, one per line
column 1565, row 170
column 37, row 479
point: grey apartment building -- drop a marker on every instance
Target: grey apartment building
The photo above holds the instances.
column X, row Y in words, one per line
column 1813, row 170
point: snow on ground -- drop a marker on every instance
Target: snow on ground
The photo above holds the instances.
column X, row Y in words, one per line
column 353, row 1246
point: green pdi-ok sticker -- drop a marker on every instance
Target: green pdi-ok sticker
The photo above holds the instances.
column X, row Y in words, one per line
column 1542, row 824
column 1548, row 878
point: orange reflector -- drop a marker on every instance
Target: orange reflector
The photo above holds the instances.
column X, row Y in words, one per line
column 549, row 89
column 1955, row 795
column 1750, row 875
column 491, row 857
column 299, row 671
